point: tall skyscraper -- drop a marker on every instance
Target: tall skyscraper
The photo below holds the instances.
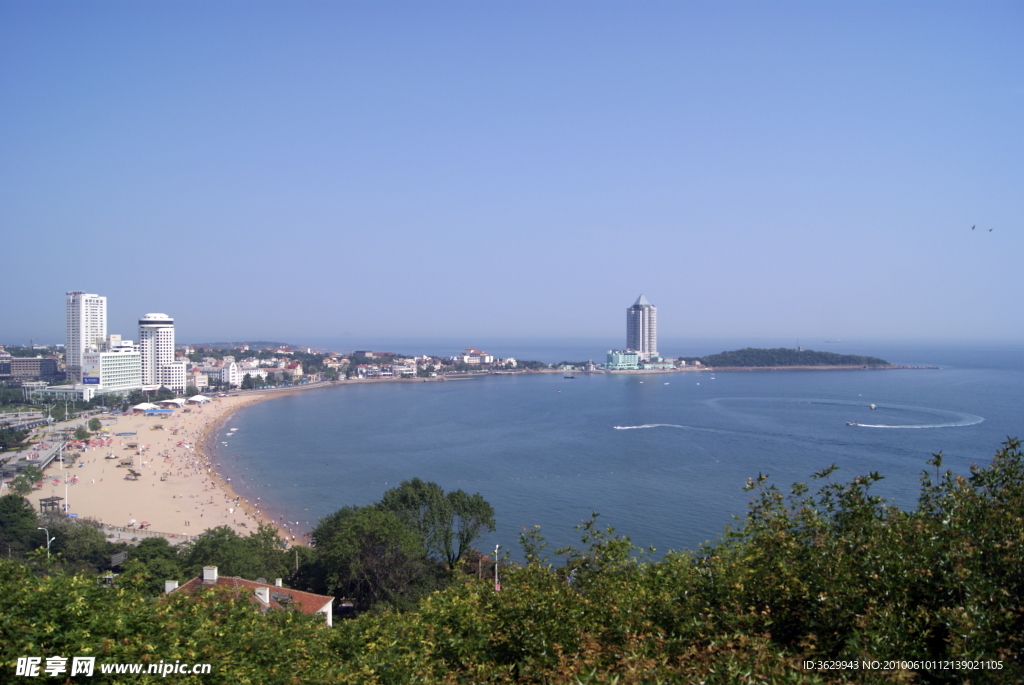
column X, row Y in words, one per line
column 86, row 330
column 642, row 328
column 156, row 343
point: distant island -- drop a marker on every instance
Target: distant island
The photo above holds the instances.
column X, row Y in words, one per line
column 781, row 357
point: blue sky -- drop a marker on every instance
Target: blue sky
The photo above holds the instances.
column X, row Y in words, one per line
column 395, row 169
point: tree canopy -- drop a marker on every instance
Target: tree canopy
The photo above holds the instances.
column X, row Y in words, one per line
column 755, row 357
column 448, row 523
column 813, row 574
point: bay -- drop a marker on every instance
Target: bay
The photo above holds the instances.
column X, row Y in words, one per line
column 545, row 450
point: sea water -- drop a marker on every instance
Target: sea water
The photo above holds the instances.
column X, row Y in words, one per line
column 661, row 457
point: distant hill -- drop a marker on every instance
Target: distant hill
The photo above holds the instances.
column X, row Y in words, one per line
column 253, row 345
column 753, row 357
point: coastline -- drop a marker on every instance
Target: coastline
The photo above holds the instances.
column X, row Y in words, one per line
column 181, row 491
column 846, row 367
column 727, row 369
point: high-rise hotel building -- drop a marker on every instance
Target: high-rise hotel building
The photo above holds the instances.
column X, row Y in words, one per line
column 86, row 330
column 156, row 343
column 642, row 329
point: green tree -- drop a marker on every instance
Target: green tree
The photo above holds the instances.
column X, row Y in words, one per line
column 81, row 433
column 152, row 562
column 469, row 515
column 81, row 543
column 448, row 523
column 11, row 439
column 25, row 482
column 261, row 554
column 95, row 425
column 18, row 525
column 369, row 554
column 21, row 486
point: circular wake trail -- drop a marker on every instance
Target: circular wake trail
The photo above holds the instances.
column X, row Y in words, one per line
column 953, row 424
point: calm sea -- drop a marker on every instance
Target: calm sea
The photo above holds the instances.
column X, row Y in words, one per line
column 663, row 458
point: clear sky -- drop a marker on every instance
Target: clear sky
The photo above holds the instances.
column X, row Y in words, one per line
column 281, row 170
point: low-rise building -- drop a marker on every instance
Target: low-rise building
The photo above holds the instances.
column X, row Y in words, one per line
column 474, row 356
column 266, row 596
column 29, row 368
column 367, row 371
column 622, row 360
column 41, row 392
column 172, row 376
column 197, row 380
column 119, row 370
column 230, row 374
column 405, row 369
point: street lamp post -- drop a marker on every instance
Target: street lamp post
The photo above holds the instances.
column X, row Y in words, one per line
column 497, row 584
column 48, row 540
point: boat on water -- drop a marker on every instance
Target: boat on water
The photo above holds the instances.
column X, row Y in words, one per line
column 851, row 423
column 873, row 407
column 568, row 376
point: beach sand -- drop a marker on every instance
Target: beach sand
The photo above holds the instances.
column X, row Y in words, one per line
column 179, row 494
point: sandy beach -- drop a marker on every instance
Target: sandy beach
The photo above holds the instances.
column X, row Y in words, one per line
column 179, row 493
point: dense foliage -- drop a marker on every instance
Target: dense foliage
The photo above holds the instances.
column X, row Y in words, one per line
column 391, row 554
column 11, row 438
column 751, row 356
column 832, row 573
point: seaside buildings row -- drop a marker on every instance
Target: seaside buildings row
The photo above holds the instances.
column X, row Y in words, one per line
column 97, row 362
column 102, row 363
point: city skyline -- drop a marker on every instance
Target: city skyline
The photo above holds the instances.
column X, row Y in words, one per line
column 308, row 172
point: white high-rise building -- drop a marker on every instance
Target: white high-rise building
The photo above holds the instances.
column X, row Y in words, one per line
column 642, row 328
column 156, row 344
column 86, row 330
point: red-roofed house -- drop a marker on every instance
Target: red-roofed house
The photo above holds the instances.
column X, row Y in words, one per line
column 265, row 595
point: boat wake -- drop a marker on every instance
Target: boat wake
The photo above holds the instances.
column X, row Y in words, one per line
column 973, row 420
column 650, row 425
column 955, row 419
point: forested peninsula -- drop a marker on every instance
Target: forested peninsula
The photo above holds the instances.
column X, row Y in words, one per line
column 781, row 356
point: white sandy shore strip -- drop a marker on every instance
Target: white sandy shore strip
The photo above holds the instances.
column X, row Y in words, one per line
column 179, row 492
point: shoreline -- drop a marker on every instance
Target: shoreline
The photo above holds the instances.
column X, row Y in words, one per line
column 178, row 492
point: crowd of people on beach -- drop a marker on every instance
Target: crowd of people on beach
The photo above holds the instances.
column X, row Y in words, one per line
column 186, row 492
